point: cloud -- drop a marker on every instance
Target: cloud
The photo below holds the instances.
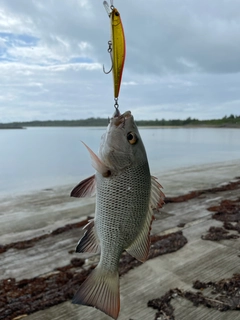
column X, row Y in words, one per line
column 182, row 59
column 186, row 37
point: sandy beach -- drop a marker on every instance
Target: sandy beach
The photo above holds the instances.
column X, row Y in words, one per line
column 39, row 232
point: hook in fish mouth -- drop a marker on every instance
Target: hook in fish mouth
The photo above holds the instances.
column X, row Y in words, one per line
column 121, row 118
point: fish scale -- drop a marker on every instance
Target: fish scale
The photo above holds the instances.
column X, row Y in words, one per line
column 112, row 215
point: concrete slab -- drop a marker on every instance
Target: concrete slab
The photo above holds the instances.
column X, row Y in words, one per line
column 197, row 260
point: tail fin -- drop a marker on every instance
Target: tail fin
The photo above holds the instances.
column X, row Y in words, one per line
column 100, row 290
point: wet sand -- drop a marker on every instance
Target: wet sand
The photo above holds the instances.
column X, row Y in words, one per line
column 43, row 216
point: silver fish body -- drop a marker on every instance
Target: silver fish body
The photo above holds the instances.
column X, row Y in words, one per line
column 122, row 203
column 126, row 195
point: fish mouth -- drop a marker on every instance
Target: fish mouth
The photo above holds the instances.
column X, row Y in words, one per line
column 120, row 120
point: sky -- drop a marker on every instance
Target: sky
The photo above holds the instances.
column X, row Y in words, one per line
column 182, row 59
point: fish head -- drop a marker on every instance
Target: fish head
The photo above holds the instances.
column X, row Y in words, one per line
column 121, row 145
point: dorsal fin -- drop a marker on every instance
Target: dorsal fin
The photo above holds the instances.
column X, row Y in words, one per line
column 139, row 249
column 85, row 188
column 157, row 196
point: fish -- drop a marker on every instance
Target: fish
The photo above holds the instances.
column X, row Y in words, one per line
column 126, row 196
column 118, row 46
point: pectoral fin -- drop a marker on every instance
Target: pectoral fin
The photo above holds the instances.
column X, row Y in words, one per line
column 85, row 188
column 97, row 163
column 89, row 242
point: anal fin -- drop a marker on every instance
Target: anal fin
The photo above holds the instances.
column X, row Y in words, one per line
column 89, row 242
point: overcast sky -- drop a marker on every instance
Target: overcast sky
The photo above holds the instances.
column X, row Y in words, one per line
column 182, row 59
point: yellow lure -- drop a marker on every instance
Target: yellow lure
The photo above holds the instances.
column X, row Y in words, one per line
column 118, row 47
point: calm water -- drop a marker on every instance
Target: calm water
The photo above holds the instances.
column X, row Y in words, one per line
column 38, row 158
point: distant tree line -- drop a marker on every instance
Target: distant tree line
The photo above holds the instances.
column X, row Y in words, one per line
column 102, row 122
column 232, row 119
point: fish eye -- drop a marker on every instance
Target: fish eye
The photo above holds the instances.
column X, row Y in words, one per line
column 132, row 137
column 117, row 13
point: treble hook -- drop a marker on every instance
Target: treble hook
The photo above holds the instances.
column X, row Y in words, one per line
column 110, row 52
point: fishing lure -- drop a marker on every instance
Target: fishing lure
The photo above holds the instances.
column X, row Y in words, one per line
column 116, row 47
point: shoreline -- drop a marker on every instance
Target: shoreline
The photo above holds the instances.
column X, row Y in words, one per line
column 9, row 128
column 164, row 176
column 187, row 126
column 29, row 214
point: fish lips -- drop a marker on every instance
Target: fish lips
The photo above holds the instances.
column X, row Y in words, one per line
column 120, row 120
